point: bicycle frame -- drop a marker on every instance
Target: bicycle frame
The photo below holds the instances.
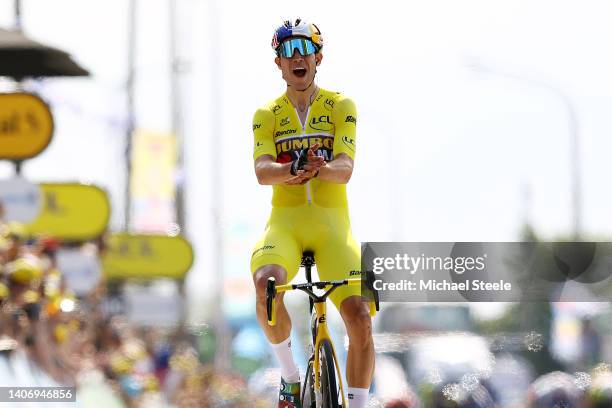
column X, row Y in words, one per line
column 318, row 304
column 322, row 334
column 320, row 310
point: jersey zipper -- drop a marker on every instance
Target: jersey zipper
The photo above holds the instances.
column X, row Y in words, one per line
column 308, row 189
column 308, row 192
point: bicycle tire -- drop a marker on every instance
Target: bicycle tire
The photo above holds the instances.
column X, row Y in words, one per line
column 329, row 384
column 309, row 399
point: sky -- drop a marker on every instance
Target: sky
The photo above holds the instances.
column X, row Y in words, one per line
column 446, row 152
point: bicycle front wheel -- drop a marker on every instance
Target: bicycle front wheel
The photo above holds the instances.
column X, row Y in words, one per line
column 330, row 389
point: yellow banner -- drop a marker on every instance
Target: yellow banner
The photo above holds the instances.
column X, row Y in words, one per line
column 147, row 257
column 72, row 211
column 26, row 126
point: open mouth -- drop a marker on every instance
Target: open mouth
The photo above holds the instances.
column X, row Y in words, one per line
column 299, row 72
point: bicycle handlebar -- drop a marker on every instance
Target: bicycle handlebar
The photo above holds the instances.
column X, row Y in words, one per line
column 272, row 289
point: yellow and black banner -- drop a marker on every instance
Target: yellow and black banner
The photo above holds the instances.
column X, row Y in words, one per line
column 26, row 126
column 71, row 211
column 147, row 257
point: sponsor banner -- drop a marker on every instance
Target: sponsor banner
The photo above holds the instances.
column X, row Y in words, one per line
column 71, row 211
column 490, row 271
column 20, row 200
column 26, row 126
column 147, row 257
column 154, row 181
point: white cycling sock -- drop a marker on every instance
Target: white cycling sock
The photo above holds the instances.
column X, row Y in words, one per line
column 289, row 371
column 358, row 397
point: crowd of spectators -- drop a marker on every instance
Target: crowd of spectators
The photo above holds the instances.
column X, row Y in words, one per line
column 50, row 337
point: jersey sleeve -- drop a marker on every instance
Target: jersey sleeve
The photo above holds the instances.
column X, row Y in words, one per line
column 263, row 129
column 345, row 120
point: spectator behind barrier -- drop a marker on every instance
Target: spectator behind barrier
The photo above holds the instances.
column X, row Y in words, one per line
column 48, row 337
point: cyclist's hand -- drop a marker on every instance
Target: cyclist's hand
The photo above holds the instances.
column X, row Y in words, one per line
column 302, row 177
column 314, row 162
column 308, row 169
column 295, row 180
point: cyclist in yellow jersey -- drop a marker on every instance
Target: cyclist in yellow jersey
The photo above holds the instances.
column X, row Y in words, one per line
column 304, row 148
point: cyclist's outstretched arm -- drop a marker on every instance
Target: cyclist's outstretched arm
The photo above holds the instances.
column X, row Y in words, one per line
column 338, row 170
column 269, row 172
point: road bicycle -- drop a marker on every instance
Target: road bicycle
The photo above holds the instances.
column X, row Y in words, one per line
column 322, row 387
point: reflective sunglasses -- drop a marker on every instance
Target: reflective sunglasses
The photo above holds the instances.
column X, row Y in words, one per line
column 303, row 45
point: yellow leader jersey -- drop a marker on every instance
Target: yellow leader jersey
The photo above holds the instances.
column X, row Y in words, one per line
column 331, row 121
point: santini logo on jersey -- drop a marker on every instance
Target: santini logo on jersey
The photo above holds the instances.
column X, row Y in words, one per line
column 285, row 132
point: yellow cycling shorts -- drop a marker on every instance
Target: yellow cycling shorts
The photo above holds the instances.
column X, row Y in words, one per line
column 324, row 231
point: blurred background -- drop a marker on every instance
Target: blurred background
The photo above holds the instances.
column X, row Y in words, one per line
column 478, row 121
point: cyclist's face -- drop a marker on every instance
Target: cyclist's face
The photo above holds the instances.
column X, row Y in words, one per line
column 299, row 71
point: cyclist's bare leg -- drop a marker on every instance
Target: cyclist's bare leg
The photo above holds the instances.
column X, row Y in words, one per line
column 360, row 360
column 282, row 329
column 279, row 334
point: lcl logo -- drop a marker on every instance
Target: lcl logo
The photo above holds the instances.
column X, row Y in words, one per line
column 321, row 119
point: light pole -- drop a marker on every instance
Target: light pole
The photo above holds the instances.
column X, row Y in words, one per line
column 573, row 128
column 18, row 85
column 17, row 8
column 177, row 70
column 223, row 354
column 130, row 112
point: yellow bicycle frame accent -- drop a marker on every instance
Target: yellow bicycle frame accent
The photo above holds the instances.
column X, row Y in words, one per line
column 323, row 334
